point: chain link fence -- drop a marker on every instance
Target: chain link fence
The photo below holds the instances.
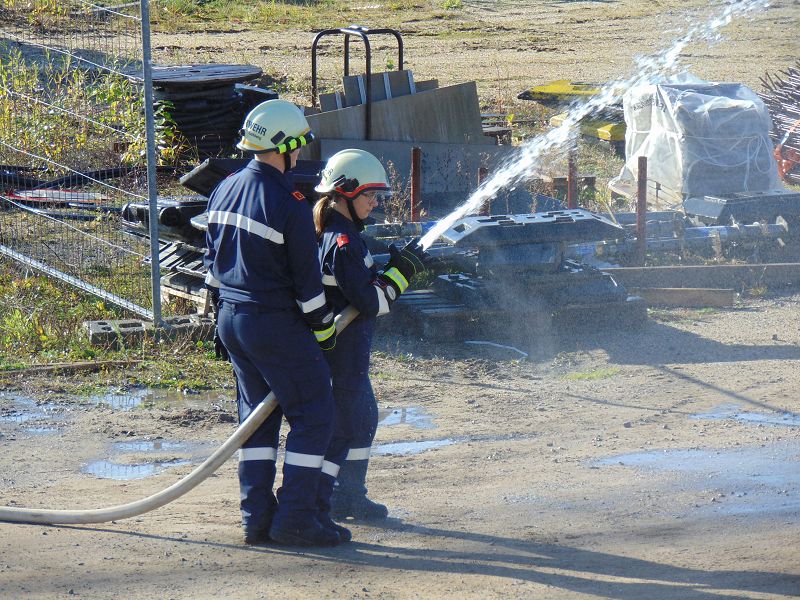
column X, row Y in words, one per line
column 74, row 146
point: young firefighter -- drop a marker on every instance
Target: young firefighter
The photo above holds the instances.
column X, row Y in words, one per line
column 274, row 322
column 350, row 184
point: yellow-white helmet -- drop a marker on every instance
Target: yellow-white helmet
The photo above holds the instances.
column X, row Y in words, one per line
column 274, row 126
column 351, row 172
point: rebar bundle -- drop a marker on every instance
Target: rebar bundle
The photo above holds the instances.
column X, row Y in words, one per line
column 782, row 97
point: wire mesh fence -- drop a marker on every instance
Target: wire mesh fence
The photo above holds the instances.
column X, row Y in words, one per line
column 73, row 145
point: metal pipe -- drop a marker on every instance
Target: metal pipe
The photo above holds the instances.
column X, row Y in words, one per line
column 641, row 211
column 416, row 182
column 13, row 514
column 572, row 177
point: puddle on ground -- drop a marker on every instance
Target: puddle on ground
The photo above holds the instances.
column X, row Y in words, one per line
column 412, row 416
column 408, row 448
column 743, row 480
column 31, row 417
column 138, row 468
column 735, row 412
column 145, row 397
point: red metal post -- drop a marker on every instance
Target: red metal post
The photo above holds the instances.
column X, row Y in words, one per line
column 641, row 211
column 572, row 177
column 486, row 209
column 416, row 183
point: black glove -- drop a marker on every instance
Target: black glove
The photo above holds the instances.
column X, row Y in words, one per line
column 403, row 265
column 325, row 332
column 219, row 348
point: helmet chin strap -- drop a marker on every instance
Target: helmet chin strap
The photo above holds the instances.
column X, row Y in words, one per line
column 359, row 223
column 287, row 162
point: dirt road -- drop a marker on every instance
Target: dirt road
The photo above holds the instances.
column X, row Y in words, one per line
column 663, row 463
column 654, row 464
column 507, row 46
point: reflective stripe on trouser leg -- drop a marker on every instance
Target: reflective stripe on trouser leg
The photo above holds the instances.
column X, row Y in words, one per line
column 361, row 410
column 257, row 502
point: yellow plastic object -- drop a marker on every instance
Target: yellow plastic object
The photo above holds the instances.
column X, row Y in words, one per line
column 561, row 91
column 608, row 131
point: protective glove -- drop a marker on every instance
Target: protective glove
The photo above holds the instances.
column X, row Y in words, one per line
column 325, row 332
column 403, row 265
column 220, row 351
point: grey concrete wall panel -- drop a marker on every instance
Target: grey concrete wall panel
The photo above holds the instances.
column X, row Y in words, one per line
column 448, row 115
column 449, row 171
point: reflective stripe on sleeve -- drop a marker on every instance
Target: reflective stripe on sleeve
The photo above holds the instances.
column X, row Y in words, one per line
column 329, row 280
column 223, row 217
column 330, row 468
column 395, row 275
column 312, row 461
column 313, row 304
column 265, row 453
column 211, row 281
column 383, row 301
column 368, row 260
column 357, row 454
column 324, row 334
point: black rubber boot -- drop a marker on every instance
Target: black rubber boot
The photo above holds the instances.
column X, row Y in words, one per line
column 256, row 500
column 349, row 497
column 344, row 533
column 305, row 533
column 324, row 492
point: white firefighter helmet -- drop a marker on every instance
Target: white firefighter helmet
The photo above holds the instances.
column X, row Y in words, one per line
column 276, row 126
column 352, row 172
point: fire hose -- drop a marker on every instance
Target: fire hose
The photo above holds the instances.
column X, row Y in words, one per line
column 192, row 480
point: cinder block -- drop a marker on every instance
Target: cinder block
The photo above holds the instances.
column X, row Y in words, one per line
column 102, row 333
column 131, row 331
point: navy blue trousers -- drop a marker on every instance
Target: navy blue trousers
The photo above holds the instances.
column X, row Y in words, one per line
column 276, row 350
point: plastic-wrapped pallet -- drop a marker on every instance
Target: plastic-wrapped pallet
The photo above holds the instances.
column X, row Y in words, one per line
column 700, row 139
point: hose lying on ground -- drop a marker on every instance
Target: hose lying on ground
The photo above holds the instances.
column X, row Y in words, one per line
column 133, row 509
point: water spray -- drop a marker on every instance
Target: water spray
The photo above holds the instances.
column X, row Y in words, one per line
column 649, row 69
column 523, row 167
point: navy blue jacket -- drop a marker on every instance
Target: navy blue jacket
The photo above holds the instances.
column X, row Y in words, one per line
column 262, row 247
column 349, row 277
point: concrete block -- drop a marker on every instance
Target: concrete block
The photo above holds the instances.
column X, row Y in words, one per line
column 131, row 332
column 102, row 333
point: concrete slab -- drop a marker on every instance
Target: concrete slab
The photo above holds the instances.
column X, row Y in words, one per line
column 449, row 171
column 443, row 115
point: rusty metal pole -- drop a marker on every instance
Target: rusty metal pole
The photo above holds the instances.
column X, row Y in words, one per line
column 572, row 177
column 486, row 209
column 416, row 183
column 641, row 211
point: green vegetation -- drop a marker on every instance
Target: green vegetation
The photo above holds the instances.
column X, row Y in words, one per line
column 42, row 322
column 592, row 375
column 72, row 116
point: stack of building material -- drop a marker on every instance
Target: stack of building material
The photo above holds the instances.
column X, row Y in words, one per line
column 701, row 139
column 445, row 122
column 782, row 97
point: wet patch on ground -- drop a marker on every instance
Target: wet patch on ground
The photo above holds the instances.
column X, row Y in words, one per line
column 26, row 415
column 407, row 448
column 736, row 412
column 750, row 480
column 129, row 399
column 412, row 416
column 139, row 459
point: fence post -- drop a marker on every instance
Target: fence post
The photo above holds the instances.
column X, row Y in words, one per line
column 152, row 184
column 416, row 183
column 486, row 209
column 641, row 211
column 572, row 177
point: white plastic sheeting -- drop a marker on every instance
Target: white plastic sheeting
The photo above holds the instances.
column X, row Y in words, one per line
column 700, row 139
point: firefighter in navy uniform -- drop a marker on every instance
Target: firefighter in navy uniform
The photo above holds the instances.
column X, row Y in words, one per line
column 350, row 184
column 274, row 321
